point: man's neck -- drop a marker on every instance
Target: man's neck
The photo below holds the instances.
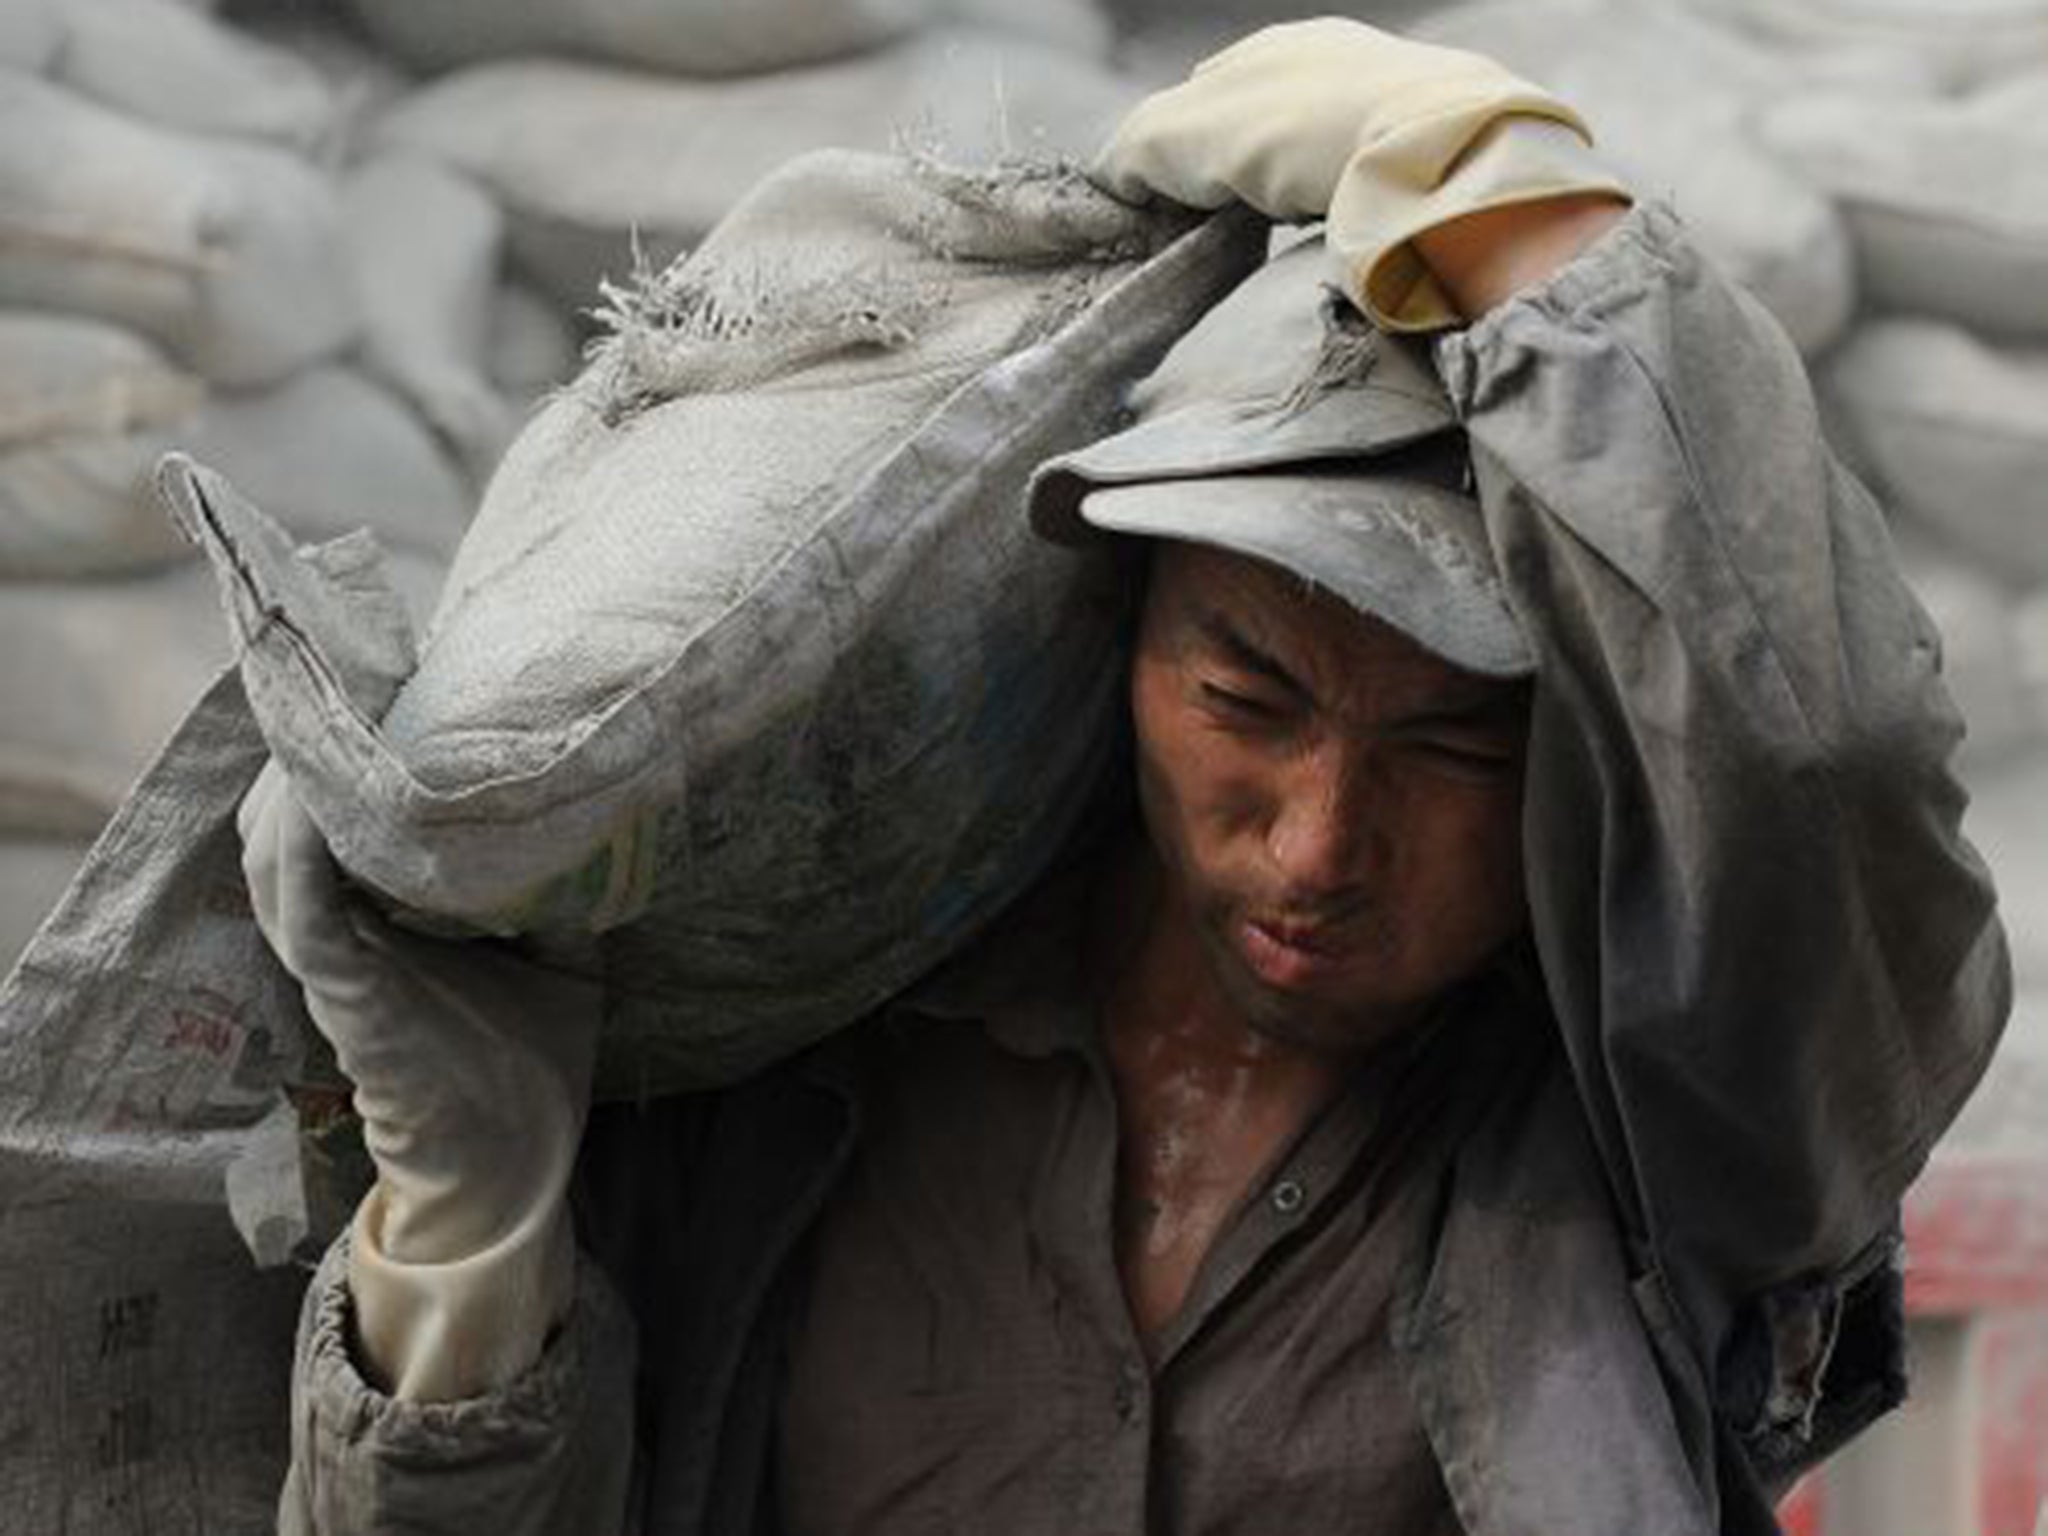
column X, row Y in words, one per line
column 1205, row 1101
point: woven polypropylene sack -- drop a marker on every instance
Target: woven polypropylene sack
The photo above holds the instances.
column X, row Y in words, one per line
column 86, row 409
column 329, row 451
column 1956, row 433
column 104, row 671
column 148, row 1034
column 749, row 662
column 425, row 244
column 1964, row 41
column 1947, row 198
column 695, row 37
column 587, row 159
column 171, row 65
column 229, row 253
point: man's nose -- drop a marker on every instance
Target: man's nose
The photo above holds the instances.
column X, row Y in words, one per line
column 1319, row 836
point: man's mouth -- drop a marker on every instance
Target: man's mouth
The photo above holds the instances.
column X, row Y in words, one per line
column 1289, row 955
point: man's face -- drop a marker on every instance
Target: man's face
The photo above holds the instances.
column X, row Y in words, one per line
column 1336, row 811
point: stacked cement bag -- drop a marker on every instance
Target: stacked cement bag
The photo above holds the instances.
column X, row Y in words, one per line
column 165, row 64
column 1947, row 196
column 1964, row 42
column 228, row 253
column 587, row 157
column 1956, row 428
column 1670, row 102
column 86, row 408
column 1941, row 393
column 180, row 266
column 702, row 38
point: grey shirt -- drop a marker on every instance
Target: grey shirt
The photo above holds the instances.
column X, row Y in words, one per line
column 965, row 1358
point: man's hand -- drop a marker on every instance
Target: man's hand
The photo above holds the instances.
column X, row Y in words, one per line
column 472, row 1076
column 1393, row 142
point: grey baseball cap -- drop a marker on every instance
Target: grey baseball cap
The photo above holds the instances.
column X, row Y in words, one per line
column 1283, row 426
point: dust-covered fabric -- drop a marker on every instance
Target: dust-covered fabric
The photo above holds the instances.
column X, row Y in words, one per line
column 750, row 684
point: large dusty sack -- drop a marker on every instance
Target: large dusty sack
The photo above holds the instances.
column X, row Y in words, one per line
column 425, row 242
column 146, row 1361
column 98, row 677
column 170, row 64
column 1964, row 41
column 330, row 451
column 697, row 37
column 228, row 253
column 1669, row 102
column 1948, row 199
column 749, row 662
column 584, row 158
column 1956, row 434
column 86, row 409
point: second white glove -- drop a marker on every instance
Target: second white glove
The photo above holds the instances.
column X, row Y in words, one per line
column 471, row 1068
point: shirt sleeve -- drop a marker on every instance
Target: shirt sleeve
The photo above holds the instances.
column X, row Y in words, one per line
column 550, row 1455
column 1774, row 959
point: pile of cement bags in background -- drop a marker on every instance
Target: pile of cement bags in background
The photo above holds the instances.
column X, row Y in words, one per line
column 340, row 250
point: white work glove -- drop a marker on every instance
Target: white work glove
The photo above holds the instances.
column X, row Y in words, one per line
column 472, row 1072
column 1384, row 137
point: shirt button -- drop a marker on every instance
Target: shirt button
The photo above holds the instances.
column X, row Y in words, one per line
column 1130, row 1383
column 1288, row 1196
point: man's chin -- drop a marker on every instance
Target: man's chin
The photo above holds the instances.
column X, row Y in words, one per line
column 1309, row 1016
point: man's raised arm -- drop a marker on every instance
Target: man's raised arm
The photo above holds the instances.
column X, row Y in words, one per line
column 1774, row 959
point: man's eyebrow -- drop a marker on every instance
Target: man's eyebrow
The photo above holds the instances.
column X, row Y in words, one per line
column 1225, row 636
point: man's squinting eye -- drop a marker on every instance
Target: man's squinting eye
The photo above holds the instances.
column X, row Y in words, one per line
column 1237, row 703
column 1471, row 752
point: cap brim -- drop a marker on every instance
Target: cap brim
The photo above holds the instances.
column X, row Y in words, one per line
column 1209, row 438
column 1406, row 552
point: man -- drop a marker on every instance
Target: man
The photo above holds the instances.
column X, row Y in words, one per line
column 1476, row 1093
